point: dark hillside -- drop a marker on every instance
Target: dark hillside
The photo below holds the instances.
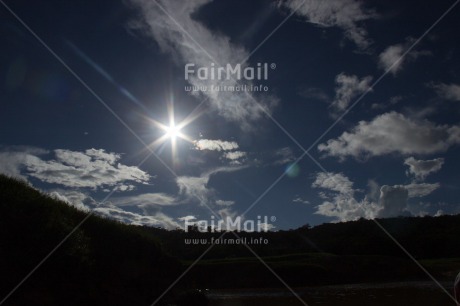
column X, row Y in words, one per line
column 102, row 263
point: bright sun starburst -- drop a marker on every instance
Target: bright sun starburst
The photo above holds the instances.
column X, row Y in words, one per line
column 173, row 131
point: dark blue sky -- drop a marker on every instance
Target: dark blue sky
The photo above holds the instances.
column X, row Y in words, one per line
column 76, row 115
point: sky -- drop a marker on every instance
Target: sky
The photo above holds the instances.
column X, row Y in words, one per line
column 343, row 109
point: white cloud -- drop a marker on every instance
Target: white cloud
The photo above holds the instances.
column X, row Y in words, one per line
column 333, row 181
column 346, row 208
column 74, row 198
column 390, row 58
column 187, row 218
column 340, row 201
column 422, row 168
column 158, row 219
column 420, row 190
column 215, row 145
column 14, row 158
column 89, row 169
column 349, row 87
column 234, row 155
column 145, row 199
column 392, row 133
column 199, row 46
column 447, row 91
column 345, row 14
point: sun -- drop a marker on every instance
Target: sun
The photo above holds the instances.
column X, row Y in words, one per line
column 173, row 131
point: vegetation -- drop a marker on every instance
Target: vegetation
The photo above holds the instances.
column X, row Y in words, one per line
column 102, row 263
column 105, row 262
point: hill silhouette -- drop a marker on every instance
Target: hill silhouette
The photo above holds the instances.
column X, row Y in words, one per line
column 105, row 262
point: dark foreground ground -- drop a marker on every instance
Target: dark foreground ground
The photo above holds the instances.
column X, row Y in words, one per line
column 394, row 294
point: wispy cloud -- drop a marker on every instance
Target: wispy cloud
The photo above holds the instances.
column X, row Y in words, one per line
column 348, row 87
column 171, row 24
column 447, row 91
column 392, row 133
column 283, row 156
column 347, row 15
column 420, row 190
column 195, row 188
column 298, row 199
column 74, row 198
column 333, row 181
column 89, row 169
column 158, row 219
column 146, row 199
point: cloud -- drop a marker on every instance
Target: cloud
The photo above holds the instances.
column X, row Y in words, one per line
column 390, row 58
column 195, row 187
column 283, row 156
column 89, row 169
column 333, row 181
column 201, row 47
column 447, row 91
column 215, row 145
column 340, row 198
column 422, row 168
column 347, row 15
column 234, row 155
column 187, row 218
column 349, row 87
column 158, row 219
column 420, row 190
column 393, row 201
column 74, row 198
column 298, row 199
column 146, row 199
column 14, row 158
column 392, row 133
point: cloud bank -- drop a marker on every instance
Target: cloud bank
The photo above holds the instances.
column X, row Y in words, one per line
column 89, row 169
column 392, row 133
column 340, row 202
